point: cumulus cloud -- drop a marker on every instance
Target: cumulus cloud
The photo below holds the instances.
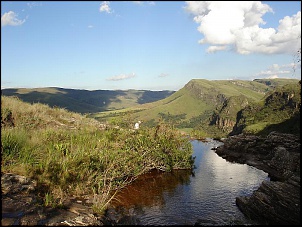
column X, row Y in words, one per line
column 105, row 7
column 10, row 18
column 237, row 26
column 122, row 77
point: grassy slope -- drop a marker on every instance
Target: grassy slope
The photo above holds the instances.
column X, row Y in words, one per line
column 84, row 101
column 69, row 154
column 178, row 103
column 198, row 100
column 274, row 110
column 195, row 98
column 250, row 89
column 276, row 82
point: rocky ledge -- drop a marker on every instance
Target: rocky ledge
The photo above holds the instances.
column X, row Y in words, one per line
column 276, row 201
column 22, row 206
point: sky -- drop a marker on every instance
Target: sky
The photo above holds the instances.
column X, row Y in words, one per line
column 147, row 45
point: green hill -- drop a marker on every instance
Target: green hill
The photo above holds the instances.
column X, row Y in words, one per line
column 84, row 101
column 277, row 111
column 203, row 107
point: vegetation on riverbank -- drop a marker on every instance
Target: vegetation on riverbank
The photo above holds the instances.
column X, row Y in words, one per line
column 69, row 154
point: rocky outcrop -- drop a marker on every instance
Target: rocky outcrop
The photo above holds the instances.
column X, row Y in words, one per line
column 22, row 206
column 225, row 124
column 225, row 118
column 276, row 201
column 285, row 98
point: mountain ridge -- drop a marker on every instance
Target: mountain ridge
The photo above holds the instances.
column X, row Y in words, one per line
column 86, row 101
column 205, row 108
column 208, row 108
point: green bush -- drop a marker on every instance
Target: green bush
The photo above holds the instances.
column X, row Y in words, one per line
column 12, row 142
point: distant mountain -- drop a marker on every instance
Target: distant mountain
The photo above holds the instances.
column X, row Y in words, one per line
column 204, row 108
column 85, row 101
column 212, row 108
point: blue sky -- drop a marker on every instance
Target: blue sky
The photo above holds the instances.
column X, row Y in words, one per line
column 160, row 45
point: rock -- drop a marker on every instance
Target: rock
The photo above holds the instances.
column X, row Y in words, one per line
column 273, row 203
column 21, row 206
column 14, row 183
column 276, row 201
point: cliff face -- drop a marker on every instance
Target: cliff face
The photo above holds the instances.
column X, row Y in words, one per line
column 276, row 201
column 225, row 124
column 225, row 117
column 279, row 109
column 285, row 99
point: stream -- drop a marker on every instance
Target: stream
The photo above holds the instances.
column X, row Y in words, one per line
column 205, row 196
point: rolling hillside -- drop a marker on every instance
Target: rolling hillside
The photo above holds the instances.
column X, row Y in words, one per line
column 202, row 107
column 197, row 97
column 84, row 101
column 208, row 107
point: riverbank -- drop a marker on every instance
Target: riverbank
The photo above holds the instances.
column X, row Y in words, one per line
column 278, row 154
column 275, row 202
column 165, row 198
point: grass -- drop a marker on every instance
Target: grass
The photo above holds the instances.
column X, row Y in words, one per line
column 197, row 107
column 276, row 111
column 195, row 99
column 70, row 154
column 84, row 101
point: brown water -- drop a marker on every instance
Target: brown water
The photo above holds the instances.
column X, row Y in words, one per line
column 204, row 197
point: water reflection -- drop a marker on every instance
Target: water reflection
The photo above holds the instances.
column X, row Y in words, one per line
column 149, row 189
column 180, row 198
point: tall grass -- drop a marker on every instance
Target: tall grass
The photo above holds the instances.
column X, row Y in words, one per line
column 69, row 154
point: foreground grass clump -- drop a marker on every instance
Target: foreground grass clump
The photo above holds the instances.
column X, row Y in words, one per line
column 69, row 154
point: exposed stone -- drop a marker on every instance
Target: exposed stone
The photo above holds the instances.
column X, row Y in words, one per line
column 276, row 201
column 22, row 206
column 273, row 203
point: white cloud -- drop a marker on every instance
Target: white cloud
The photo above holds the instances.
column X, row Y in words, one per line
column 138, row 2
column 10, row 18
column 122, row 77
column 105, row 7
column 34, row 4
column 90, row 26
column 142, row 2
column 213, row 49
column 276, row 71
column 236, row 25
column 163, row 75
column 273, row 77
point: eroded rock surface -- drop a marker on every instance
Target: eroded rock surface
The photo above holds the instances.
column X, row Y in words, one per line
column 276, row 201
column 22, row 206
